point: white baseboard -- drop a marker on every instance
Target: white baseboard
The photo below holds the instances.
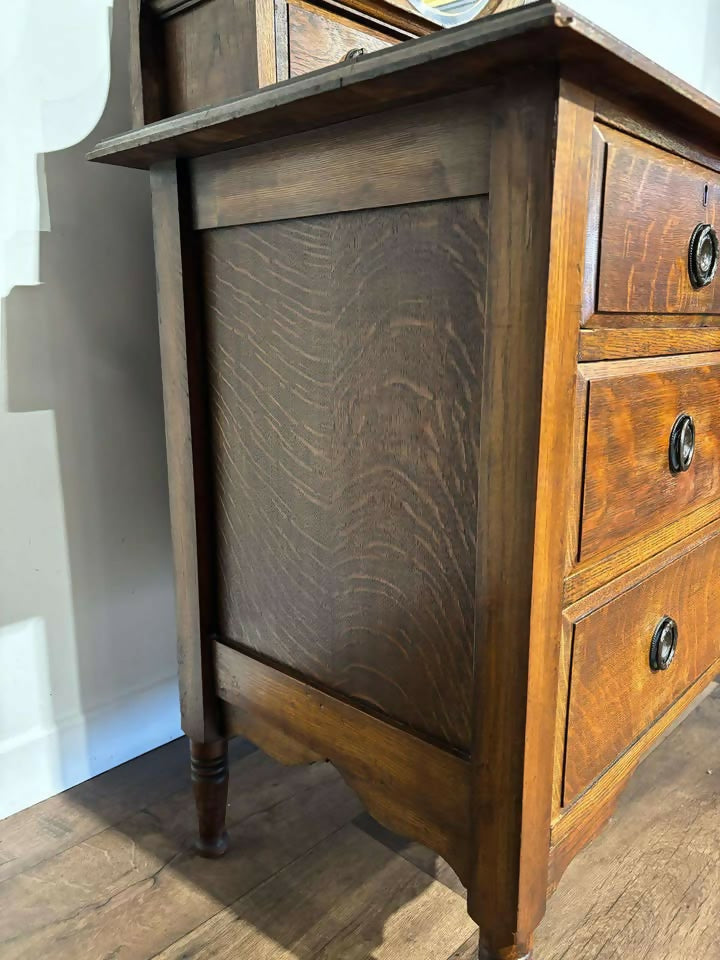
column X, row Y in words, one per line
column 48, row 760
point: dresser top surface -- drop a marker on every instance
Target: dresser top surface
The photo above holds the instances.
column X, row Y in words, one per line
column 477, row 53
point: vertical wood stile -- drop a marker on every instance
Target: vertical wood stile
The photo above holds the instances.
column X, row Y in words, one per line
column 187, row 437
column 525, row 455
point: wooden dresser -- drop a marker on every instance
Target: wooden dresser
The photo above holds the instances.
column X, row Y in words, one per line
column 440, row 337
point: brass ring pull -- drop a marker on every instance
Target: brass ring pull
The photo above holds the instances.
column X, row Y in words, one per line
column 703, row 255
column 682, row 444
column 664, row 644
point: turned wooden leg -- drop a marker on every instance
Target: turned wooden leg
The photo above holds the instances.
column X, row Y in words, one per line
column 209, row 769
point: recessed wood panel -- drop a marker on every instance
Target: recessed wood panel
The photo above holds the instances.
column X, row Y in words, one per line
column 319, row 39
column 653, row 202
column 629, row 488
column 344, row 355
column 614, row 695
column 210, row 54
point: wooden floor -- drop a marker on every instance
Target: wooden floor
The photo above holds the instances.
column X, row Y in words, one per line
column 105, row 871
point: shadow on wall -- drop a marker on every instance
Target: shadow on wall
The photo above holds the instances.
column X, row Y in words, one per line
column 87, row 630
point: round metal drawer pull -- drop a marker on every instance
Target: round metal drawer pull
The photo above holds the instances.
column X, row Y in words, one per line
column 682, row 443
column 703, row 255
column 663, row 644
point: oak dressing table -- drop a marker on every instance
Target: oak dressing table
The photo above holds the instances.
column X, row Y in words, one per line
column 440, row 335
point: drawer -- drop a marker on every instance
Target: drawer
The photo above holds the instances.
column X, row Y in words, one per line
column 633, row 409
column 317, row 38
column 653, row 202
column 615, row 694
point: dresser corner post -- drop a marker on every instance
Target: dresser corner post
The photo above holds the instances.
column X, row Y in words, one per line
column 540, row 161
column 182, row 353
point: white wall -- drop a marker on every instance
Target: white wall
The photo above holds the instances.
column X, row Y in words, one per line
column 87, row 631
column 682, row 36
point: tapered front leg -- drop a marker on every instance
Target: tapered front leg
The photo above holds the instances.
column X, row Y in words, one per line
column 209, row 767
column 508, row 953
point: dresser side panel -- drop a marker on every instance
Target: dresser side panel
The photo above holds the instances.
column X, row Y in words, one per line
column 344, row 358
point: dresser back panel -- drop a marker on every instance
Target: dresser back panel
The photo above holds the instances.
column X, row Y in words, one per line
column 344, row 357
column 210, row 53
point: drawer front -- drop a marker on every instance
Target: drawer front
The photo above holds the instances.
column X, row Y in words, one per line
column 653, row 202
column 630, row 487
column 615, row 695
column 318, row 39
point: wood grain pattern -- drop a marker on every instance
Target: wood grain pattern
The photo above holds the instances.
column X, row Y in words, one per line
column 526, row 430
column 650, row 884
column 211, row 54
column 614, row 344
column 629, row 488
column 187, row 438
column 318, row 38
column 653, row 202
column 266, row 43
column 449, row 61
column 616, row 582
column 407, row 784
column 434, row 151
column 582, row 821
column 591, row 576
column 146, row 66
column 622, row 114
column 344, row 356
column 614, row 695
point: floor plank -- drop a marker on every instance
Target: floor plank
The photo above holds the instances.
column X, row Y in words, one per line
column 415, row 853
column 78, row 903
column 350, row 898
column 106, row 871
column 48, row 828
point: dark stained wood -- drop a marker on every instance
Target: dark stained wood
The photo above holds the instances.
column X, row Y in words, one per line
column 186, row 435
column 531, row 344
column 430, row 787
column 344, row 363
column 614, row 344
column 629, row 488
column 653, row 202
column 431, row 152
column 319, row 38
column 441, row 64
column 211, row 53
column 209, row 771
column 168, row 8
column 375, row 281
column 614, row 695
column 147, row 65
